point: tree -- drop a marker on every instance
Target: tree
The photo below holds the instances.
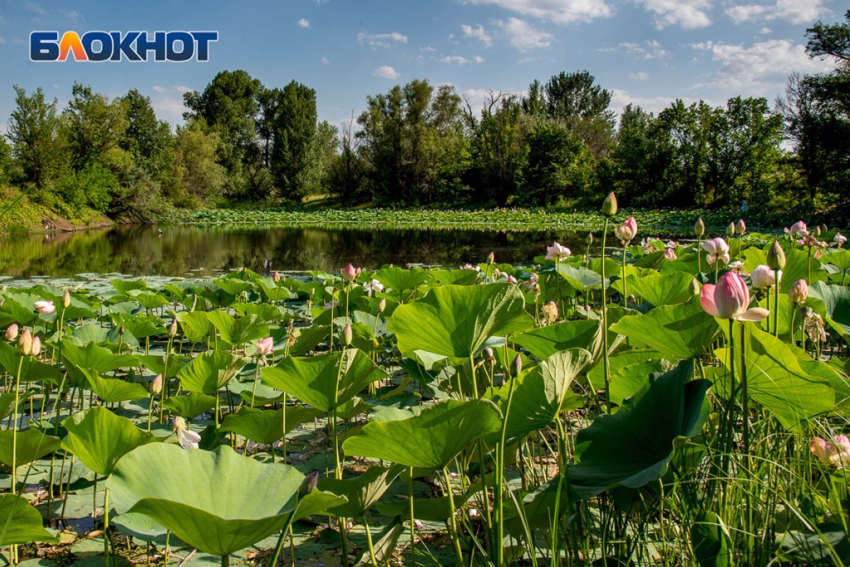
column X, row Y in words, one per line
column 5, row 161
column 92, row 125
column 33, row 131
column 294, row 131
column 199, row 179
column 346, row 173
column 643, row 156
column 149, row 140
column 559, row 165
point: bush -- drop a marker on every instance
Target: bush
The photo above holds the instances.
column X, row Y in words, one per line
column 90, row 187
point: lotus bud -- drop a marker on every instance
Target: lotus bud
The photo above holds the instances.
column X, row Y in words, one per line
column 609, row 205
column 694, row 287
column 25, row 343
column 491, row 258
column 347, row 335
column 12, row 332
column 309, row 483
column 121, row 330
column 357, row 272
column 799, row 292
column 66, row 299
column 741, row 227
column 824, row 228
column 589, row 239
column 516, row 365
column 699, row 227
column 36, row 346
column 172, row 330
column 730, row 230
column 816, row 231
column 776, row 256
column 348, row 273
column 382, row 305
column 488, row 354
column 276, row 277
column 156, row 385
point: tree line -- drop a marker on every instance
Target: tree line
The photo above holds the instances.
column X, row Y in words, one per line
column 421, row 145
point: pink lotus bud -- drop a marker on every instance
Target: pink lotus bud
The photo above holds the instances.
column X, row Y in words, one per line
column 382, row 305
column 741, row 227
column 309, row 483
column 156, row 385
column 799, row 292
column 36, row 346
column 839, row 239
column 730, row 230
column 511, row 279
column 349, row 273
column 66, row 299
column 670, row 254
column 627, row 231
column 12, row 332
column 491, row 258
column 347, row 335
column 25, row 343
column 45, row 307
column 516, row 364
column 729, row 299
column 798, row 229
column 172, row 330
column 265, row 346
column 763, row 277
column 276, row 277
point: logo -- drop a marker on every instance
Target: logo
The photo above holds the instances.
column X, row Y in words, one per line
column 98, row 46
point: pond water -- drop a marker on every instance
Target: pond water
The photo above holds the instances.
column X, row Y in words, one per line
column 204, row 250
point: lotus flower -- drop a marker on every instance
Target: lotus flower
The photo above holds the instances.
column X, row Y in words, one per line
column 12, row 332
column 763, row 277
column 626, row 231
column 156, row 385
column 798, row 229
column 557, row 252
column 511, row 279
column 737, row 265
column 382, row 305
column 670, row 254
column 332, row 304
column 276, row 277
column 799, row 292
column 550, row 312
column 729, row 299
column 265, row 346
column 831, row 453
column 36, row 346
column 470, row 267
column 349, row 273
column 373, row 285
column 187, row 439
column 839, row 239
column 717, row 249
column 44, row 306
column 25, row 343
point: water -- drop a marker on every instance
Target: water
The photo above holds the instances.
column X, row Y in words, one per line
column 205, row 250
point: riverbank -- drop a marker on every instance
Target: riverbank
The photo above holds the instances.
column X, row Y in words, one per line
column 20, row 214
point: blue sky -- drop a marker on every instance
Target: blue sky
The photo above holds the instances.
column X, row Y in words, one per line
column 648, row 52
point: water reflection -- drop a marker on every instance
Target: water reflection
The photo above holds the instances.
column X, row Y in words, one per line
column 202, row 250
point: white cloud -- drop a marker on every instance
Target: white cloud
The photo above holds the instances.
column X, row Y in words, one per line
column 170, row 109
column 765, row 30
column 459, row 60
column 478, row 33
column 381, row 39
column 182, row 89
column 33, row 7
column 639, row 76
column 527, row 60
column 160, row 89
column 324, row 60
column 689, row 14
column 478, row 59
column 762, row 67
column 523, row 35
column 427, row 49
column 621, row 98
column 387, row 72
column 304, row 23
column 646, row 50
column 557, row 11
column 793, row 11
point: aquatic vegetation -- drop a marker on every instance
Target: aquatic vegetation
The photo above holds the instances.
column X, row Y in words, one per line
column 600, row 406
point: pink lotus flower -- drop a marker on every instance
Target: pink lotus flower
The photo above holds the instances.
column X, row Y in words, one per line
column 44, row 307
column 839, row 240
column 737, row 265
column 265, row 346
column 557, row 252
column 717, row 249
column 373, row 285
column 12, row 332
column 831, row 453
column 349, row 273
column 670, row 254
column 187, row 439
column 332, row 304
column 511, row 279
column 470, row 267
column 729, row 299
column 798, row 229
column 626, row 231
column 763, row 277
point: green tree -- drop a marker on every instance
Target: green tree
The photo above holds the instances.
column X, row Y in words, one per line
column 34, row 132
column 149, row 140
column 643, row 156
column 559, row 165
column 346, row 172
column 294, row 153
column 92, row 125
column 5, row 161
column 199, row 180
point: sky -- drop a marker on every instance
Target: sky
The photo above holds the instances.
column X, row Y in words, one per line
column 647, row 52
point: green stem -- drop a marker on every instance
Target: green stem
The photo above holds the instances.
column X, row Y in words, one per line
column 369, row 541
column 453, row 518
column 605, row 368
column 776, row 304
column 625, row 284
column 412, row 521
column 15, row 424
column 106, row 528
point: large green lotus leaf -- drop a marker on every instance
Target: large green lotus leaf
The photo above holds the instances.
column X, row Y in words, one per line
column 546, row 341
column 238, row 331
column 264, row 311
column 196, row 325
column 313, row 380
column 678, row 331
column 776, row 380
column 90, row 333
column 754, row 257
column 398, row 280
column 233, row 286
column 189, row 405
column 455, row 277
column 273, row 292
column 216, row 501
column 99, row 438
column 839, row 382
column 31, row 369
column 710, row 541
column 92, row 357
column 124, row 287
column 456, row 321
column 838, row 258
column 633, row 447
column 7, row 402
column 538, row 394
column 579, row 278
column 266, row 426
column 669, row 289
column 837, row 301
column 618, row 361
column 797, row 268
column 209, row 372
column 21, row 523
column 362, row 492
column 147, row 299
column 157, row 364
column 138, row 325
column 632, row 379
column 13, row 312
column 113, row 390
column 429, row 440
column 308, row 338
column 31, row 445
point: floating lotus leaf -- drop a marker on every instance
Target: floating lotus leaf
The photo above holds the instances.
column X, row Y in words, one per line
column 20, row 522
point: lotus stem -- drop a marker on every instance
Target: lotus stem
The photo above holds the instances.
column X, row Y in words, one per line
column 776, row 304
column 625, row 284
column 412, row 521
column 15, row 424
column 369, row 541
column 283, row 532
column 453, row 522
column 106, row 529
column 605, row 368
